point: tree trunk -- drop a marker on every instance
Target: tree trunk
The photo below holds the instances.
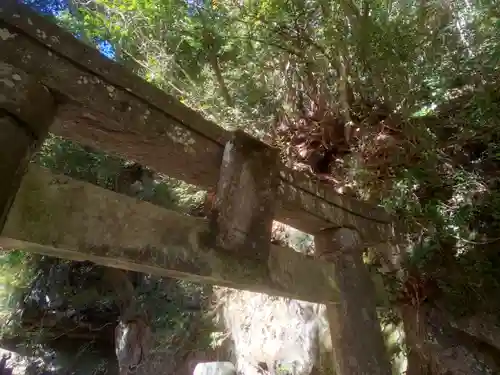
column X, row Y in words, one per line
column 430, row 335
column 416, row 365
column 418, row 358
column 214, row 62
column 212, row 52
column 484, row 327
column 133, row 333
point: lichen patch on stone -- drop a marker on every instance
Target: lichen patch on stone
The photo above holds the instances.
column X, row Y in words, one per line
column 6, row 35
column 41, row 34
column 226, row 158
column 26, row 58
column 5, row 69
column 82, row 80
column 183, row 137
column 7, row 82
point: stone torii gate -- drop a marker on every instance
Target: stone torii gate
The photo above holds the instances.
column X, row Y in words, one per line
column 51, row 81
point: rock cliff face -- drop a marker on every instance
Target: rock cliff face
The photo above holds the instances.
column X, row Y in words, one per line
column 276, row 335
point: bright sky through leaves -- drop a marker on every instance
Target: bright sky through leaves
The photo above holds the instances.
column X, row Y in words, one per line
column 55, row 8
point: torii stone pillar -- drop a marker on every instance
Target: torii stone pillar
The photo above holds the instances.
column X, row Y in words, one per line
column 27, row 110
column 243, row 210
column 357, row 340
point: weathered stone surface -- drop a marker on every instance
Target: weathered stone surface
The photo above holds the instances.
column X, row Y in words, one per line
column 343, row 213
column 14, row 143
column 243, row 212
column 117, row 111
column 356, row 335
column 323, row 190
column 26, row 111
column 61, row 217
column 25, row 99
